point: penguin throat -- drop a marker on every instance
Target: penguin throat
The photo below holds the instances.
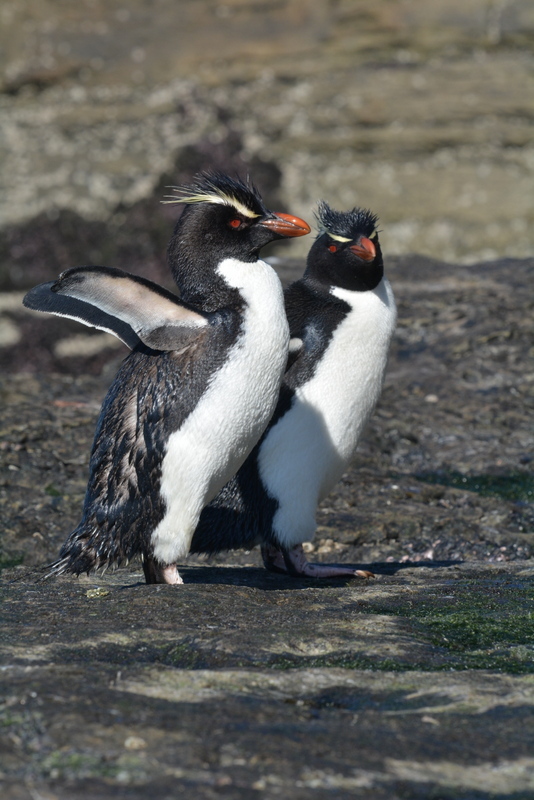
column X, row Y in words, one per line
column 201, row 286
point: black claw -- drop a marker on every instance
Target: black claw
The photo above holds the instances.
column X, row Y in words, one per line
column 268, row 562
column 290, row 567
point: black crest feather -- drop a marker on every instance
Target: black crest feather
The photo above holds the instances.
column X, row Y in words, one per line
column 348, row 224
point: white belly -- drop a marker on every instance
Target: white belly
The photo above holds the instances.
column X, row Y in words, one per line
column 307, row 451
column 232, row 414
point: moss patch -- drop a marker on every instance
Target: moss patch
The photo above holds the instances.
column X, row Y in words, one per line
column 8, row 560
column 76, row 765
column 484, row 627
column 513, row 486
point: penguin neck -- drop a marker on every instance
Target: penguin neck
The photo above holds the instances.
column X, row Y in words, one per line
column 200, row 283
column 319, row 288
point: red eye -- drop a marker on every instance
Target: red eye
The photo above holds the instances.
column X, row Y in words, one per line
column 235, row 223
column 332, row 248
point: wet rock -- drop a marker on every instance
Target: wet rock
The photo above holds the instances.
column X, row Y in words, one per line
column 416, row 683
column 243, row 682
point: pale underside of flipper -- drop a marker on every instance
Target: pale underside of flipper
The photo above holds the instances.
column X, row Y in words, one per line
column 134, row 309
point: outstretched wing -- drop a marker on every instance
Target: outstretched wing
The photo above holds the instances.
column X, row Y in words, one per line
column 132, row 308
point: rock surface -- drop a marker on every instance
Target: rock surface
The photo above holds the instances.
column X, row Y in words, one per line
column 416, row 684
column 240, row 685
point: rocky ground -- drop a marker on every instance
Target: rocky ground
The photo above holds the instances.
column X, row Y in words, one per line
column 416, row 684
column 240, row 684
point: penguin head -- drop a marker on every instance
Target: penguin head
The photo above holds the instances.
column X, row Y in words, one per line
column 224, row 218
column 346, row 252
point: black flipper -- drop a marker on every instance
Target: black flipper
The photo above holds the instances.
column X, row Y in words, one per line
column 43, row 298
column 132, row 308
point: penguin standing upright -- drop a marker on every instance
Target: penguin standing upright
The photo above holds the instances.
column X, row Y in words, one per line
column 341, row 319
column 194, row 396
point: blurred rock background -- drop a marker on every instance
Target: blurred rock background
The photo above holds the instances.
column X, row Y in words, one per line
column 420, row 109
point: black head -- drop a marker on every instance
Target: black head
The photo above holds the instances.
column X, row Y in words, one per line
column 224, row 218
column 346, row 252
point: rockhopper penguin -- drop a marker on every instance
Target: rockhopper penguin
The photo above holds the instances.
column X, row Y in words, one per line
column 194, row 396
column 341, row 319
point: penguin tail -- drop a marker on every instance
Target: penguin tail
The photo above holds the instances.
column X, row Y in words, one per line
column 59, row 567
column 84, row 551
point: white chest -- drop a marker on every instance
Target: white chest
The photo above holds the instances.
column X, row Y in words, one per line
column 233, row 412
column 243, row 394
column 307, row 451
column 348, row 379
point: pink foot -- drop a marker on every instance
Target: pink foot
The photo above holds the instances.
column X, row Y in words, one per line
column 171, row 575
column 157, row 573
column 293, row 562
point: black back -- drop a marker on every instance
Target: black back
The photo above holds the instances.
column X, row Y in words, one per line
column 151, row 396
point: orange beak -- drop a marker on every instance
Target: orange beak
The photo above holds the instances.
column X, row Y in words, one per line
column 365, row 249
column 286, row 225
